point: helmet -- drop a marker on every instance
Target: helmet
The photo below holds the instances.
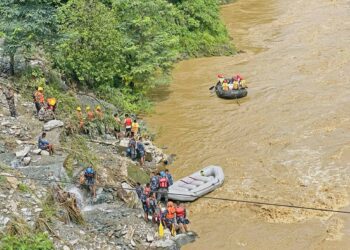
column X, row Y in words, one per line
column 78, row 108
column 40, row 89
column 98, row 108
column 162, row 173
column 88, row 108
column 89, row 170
column 220, row 76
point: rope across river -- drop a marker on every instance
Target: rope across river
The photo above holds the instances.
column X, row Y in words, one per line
column 258, row 203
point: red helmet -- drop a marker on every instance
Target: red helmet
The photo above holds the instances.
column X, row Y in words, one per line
column 220, row 76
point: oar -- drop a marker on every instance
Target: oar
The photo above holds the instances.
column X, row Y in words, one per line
column 211, row 87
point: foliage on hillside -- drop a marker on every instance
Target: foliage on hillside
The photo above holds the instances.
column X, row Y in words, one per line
column 119, row 48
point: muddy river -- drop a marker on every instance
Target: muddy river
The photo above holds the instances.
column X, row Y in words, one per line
column 287, row 142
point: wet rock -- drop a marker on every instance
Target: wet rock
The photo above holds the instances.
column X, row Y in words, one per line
column 53, row 124
column 23, row 152
column 36, row 151
column 44, row 153
column 12, row 181
column 165, row 244
column 150, row 237
column 26, row 161
column 2, row 148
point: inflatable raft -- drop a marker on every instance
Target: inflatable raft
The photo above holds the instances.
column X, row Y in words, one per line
column 230, row 94
column 197, row 184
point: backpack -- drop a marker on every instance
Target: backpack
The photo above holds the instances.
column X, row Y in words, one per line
column 89, row 172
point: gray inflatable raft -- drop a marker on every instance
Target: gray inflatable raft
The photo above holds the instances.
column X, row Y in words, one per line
column 197, row 184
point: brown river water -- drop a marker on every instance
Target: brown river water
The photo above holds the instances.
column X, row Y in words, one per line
column 288, row 142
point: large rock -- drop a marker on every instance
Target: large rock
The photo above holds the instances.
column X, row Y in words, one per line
column 123, row 145
column 44, row 153
column 36, row 151
column 53, row 124
column 26, row 161
column 23, row 152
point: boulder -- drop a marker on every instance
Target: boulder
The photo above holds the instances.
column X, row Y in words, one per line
column 23, row 152
column 150, row 237
column 26, row 161
column 44, row 153
column 123, row 145
column 36, row 151
column 53, row 124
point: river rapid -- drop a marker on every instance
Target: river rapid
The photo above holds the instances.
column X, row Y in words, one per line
column 288, row 142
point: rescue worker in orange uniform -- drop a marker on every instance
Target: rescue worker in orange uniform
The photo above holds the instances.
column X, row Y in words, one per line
column 80, row 117
column 169, row 216
column 39, row 99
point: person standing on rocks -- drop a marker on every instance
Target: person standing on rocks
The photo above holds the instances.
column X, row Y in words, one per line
column 141, row 151
column 169, row 177
column 99, row 120
column 163, row 187
column 154, row 182
column 10, row 97
column 127, row 125
column 90, row 177
column 145, row 199
column 90, row 117
column 135, row 128
column 117, row 125
column 39, row 99
column 79, row 115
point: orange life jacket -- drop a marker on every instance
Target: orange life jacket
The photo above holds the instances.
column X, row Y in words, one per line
column 90, row 115
column 163, row 182
column 180, row 212
column 171, row 213
column 39, row 97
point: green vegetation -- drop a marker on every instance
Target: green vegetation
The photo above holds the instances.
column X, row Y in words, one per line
column 121, row 49
column 137, row 174
column 39, row 241
column 23, row 188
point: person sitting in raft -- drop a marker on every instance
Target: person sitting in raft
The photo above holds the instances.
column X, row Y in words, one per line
column 225, row 85
column 242, row 84
column 181, row 219
column 44, row 144
column 221, row 78
column 235, row 85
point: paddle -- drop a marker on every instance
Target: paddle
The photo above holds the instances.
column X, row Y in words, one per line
column 211, row 87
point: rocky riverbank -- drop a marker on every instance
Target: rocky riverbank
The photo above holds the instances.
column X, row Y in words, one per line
column 30, row 178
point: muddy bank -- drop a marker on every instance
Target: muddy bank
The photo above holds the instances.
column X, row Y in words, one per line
column 287, row 141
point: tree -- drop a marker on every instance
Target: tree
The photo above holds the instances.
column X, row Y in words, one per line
column 90, row 50
column 26, row 24
column 151, row 37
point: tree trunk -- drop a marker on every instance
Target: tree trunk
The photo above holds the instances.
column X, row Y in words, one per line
column 12, row 64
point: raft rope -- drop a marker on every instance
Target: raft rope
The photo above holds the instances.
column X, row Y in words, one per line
column 203, row 197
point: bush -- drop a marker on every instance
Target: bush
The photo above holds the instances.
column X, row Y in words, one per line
column 38, row 241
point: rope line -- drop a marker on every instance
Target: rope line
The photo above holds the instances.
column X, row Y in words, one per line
column 203, row 197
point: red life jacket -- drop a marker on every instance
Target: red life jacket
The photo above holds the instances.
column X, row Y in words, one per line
column 180, row 212
column 163, row 182
column 128, row 122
